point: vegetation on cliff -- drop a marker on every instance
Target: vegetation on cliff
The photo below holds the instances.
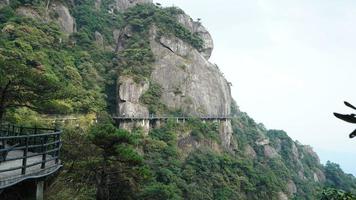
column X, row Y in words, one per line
column 60, row 74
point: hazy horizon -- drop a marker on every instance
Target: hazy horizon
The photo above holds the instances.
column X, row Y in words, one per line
column 290, row 63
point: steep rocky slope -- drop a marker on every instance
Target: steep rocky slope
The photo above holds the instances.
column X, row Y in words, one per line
column 190, row 83
column 135, row 59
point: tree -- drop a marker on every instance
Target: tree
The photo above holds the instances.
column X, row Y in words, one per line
column 334, row 194
column 351, row 118
column 119, row 170
column 25, row 81
column 336, row 178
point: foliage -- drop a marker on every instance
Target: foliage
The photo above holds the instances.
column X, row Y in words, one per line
column 100, row 164
column 141, row 17
column 336, row 178
column 27, row 78
column 137, row 58
column 68, row 80
column 174, row 161
column 152, row 97
column 334, row 194
column 89, row 20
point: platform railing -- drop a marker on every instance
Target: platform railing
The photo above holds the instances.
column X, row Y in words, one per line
column 29, row 142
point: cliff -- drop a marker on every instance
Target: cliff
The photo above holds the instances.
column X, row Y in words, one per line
column 189, row 82
column 132, row 58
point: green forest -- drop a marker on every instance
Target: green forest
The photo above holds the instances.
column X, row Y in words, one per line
column 45, row 72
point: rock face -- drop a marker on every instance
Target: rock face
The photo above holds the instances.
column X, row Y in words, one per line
column 225, row 134
column 198, row 28
column 28, row 12
column 190, row 83
column 64, row 18
column 4, row 3
column 250, row 152
column 97, row 4
column 262, row 142
column 129, row 93
column 59, row 12
column 319, row 176
column 270, row 152
column 122, row 5
column 282, row 196
column 295, row 152
column 129, row 97
column 311, row 152
column 99, row 39
column 291, row 188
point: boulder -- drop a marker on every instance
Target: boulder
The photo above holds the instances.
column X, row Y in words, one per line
column 250, row 152
column 270, row 152
column 197, row 28
column 291, row 188
column 63, row 17
column 4, row 3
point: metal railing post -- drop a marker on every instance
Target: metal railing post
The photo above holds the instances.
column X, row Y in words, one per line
column 58, row 140
column 44, row 149
column 24, row 159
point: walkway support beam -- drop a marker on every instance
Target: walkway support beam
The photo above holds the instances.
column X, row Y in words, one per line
column 39, row 190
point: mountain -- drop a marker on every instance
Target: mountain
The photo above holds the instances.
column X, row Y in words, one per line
column 133, row 58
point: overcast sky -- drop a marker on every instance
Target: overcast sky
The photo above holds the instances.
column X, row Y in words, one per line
column 291, row 63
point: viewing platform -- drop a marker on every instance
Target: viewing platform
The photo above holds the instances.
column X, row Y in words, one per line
column 28, row 153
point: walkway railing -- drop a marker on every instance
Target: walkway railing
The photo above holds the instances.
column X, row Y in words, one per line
column 154, row 117
column 27, row 153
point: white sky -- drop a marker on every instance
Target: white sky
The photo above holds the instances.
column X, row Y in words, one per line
column 291, row 63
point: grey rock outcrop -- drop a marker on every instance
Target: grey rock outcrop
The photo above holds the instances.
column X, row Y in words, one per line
column 187, row 144
column 262, row 142
column 270, row 152
column 319, row 176
column 226, row 134
column 278, row 145
column 28, row 12
column 301, row 175
column 129, row 97
column 129, row 93
column 97, row 4
column 99, row 39
column 4, row 3
column 59, row 13
column 64, row 18
column 120, row 37
column 198, row 28
column 291, row 188
column 309, row 150
column 282, row 196
column 122, row 5
column 250, row 152
column 295, row 152
column 190, row 82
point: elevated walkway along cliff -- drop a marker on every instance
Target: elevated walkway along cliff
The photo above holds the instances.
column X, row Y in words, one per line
column 28, row 154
